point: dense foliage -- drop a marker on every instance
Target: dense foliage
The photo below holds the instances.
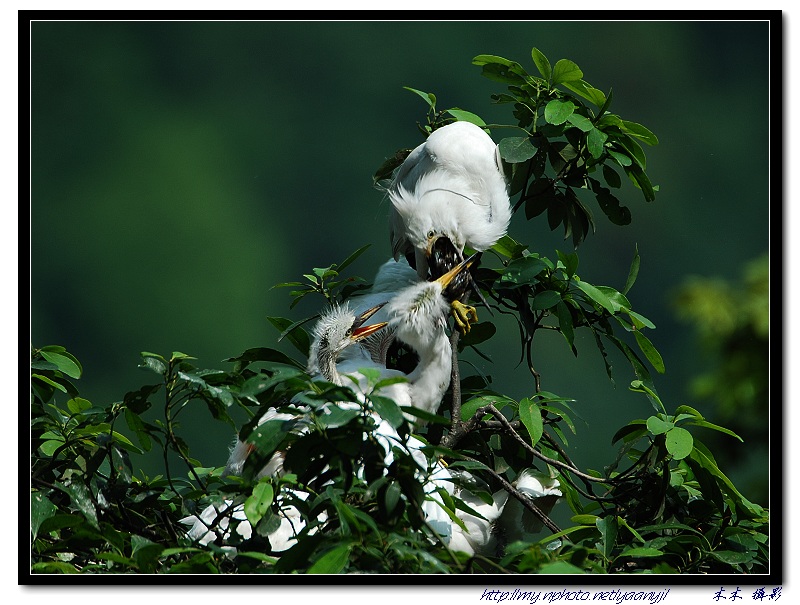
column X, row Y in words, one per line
column 662, row 506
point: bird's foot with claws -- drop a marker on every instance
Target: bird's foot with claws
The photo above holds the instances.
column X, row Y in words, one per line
column 464, row 316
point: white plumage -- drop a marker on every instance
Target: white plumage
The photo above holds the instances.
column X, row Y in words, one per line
column 451, row 186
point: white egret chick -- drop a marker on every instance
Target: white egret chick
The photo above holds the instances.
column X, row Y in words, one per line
column 392, row 277
column 417, row 317
column 337, row 330
column 449, row 193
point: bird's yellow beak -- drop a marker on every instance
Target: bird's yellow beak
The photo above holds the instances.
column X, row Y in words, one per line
column 445, row 279
column 360, row 331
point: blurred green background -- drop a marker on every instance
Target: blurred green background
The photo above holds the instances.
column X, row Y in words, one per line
column 181, row 169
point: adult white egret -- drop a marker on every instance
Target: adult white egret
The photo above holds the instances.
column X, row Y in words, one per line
column 449, row 193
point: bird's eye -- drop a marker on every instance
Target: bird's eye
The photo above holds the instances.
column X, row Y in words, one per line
column 431, row 234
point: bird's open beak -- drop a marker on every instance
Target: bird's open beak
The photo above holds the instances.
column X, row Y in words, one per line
column 465, row 264
column 360, row 331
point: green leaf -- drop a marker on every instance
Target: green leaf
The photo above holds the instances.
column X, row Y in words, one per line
column 466, row 116
column 657, row 426
column 46, row 380
column 640, row 179
column 640, row 320
column 557, row 111
column 349, row 260
column 258, row 503
column 81, row 499
column 336, row 416
column 41, row 510
column 65, row 362
column 269, row 435
column 732, row 557
column 333, row 561
column 428, row 97
column 631, row 431
column 78, row 404
column 516, row 149
column 154, row 362
column 612, row 178
column 523, row 271
column 388, row 410
column 507, row 246
column 581, row 123
column 633, row 272
column 531, row 417
column 587, row 91
column 596, row 295
column 566, row 71
column 292, row 330
column 639, row 131
column 620, row 158
column 559, row 567
column 715, row 427
column 595, row 142
column 545, row 300
column 608, row 531
column 653, row 356
column 565, row 323
column 641, row 551
column 679, row 442
column 542, row 64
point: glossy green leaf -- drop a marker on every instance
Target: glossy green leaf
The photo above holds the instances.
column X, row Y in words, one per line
column 64, row 361
column 657, row 426
column 594, row 294
column 258, row 503
column 156, row 363
column 463, row 115
column 269, row 435
column 640, row 132
column 41, row 510
column 640, row 320
column 566, row 71
column 565, row 323
column 715, row 427
column 336, row 416
column 545, row 300
column 428, row 97
column 679, row 442
column 293, row 332
column 560, row 567
column 653, row 356
column 349, row 260
column 532, row 419
column 611, row 176
column 557, row 111
column 631, row 431
column 641, row 551
column 523, row 270
column 633, row 272
column 542, row 64
column 581, row 122
column 587, row 91
column 388, row 410
column 595, row 143
column 609, row 528
column 516, row 149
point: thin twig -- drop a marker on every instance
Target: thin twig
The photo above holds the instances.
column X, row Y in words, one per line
column 523, row 498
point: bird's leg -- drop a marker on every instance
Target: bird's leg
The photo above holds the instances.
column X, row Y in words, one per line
column 464, row 315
